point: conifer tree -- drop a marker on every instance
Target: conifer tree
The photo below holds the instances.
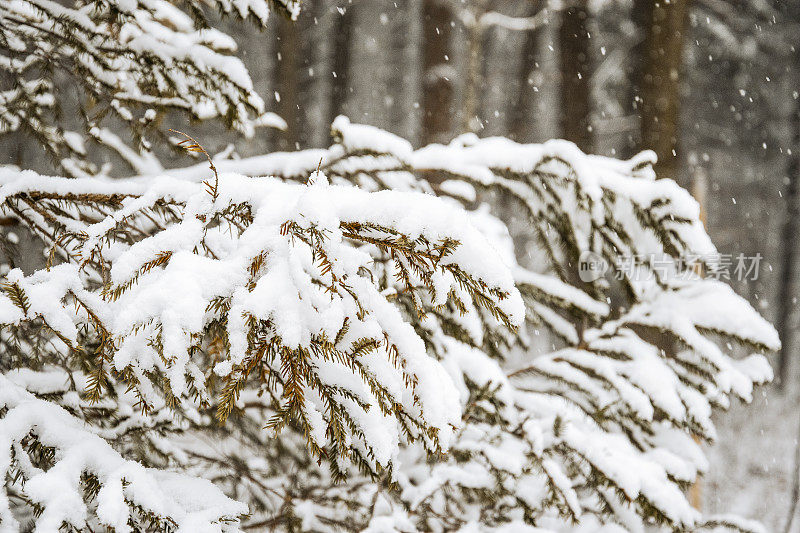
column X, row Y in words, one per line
column 340, row 339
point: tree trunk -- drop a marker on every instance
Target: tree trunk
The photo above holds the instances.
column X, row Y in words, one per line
column 343, row 40
column 437, row 100
column 791, row 229
column 287, row 86
column 474, row 77
column 406, row 80
column 573, row 37
column 318, row 20
column 665, row 29
column 641, row 14
column 521, row 115
column 786, row 289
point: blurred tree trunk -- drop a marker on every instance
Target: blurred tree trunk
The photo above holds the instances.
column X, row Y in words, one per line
column 342, row 46
column 658, row 100
column 521, row 112
column 474, row 78
column 406, row 56
column 573, row 38
column 287, row 82
column 318, row 55
column 641, row 13
column 437, row 99
column 666, row 25
column 791, row 229
column 786, row 290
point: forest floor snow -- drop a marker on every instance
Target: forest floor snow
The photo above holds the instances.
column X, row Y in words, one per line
column 752, row 461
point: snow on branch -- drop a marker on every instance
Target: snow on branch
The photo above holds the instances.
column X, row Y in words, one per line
column 278, row 274
column 53, row 461
column 132, row 60
column 364, row 301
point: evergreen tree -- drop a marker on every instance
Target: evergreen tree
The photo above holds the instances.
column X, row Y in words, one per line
column 344, row 345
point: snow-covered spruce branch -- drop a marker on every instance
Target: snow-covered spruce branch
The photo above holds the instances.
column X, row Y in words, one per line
column 369, row 321
column 52, row 465
column 132, row 60
column 182, row 295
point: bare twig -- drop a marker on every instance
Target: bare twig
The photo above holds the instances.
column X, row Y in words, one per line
column 190, row 144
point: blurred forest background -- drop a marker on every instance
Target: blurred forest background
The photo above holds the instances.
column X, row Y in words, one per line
column 710, row 85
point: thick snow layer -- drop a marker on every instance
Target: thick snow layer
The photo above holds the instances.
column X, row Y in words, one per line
column 194, row 505
column 299, row 299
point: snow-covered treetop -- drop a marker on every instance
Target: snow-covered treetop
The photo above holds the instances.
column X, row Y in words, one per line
column 128, row 60
column 368, row 309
